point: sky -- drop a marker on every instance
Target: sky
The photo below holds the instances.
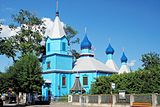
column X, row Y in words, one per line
column 130, row 24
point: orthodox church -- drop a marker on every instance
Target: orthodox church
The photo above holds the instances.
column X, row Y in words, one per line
column 62, row 75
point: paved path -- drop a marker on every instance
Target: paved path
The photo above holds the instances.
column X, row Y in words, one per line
column 56, row 105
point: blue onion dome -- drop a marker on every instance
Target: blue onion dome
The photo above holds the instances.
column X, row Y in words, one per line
column 86, row 44
column 109, row 50
column 124, row 58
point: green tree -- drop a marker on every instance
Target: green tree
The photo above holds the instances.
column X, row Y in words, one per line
column 26, row 73
column 150, row 60
column 8, row 48
column 101, row 85
column 29, row 36
column 71, row 33
column 5, row 82
column 145, row 80
column 27, row 39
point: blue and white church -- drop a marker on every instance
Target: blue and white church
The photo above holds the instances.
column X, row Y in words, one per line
column 60, row 70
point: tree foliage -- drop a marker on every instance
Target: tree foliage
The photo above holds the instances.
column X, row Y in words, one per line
column 150, row 60
column 28, row 37
column 26, row 74
column 5, row 82
column 71, row 33
column 7, row 47
column 140, row 81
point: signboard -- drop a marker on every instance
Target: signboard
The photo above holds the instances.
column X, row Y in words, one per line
column 113, row 85
column 122, row 94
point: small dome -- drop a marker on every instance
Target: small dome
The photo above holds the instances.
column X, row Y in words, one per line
column 124, row 58
column 109, row 49
column 86, row 44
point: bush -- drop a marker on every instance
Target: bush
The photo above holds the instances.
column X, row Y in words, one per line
column 141, row 81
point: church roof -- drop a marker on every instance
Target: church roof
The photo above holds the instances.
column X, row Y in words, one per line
column 109, row 49
column 86, row 44
column 124, row 69
column 111, row 64
column 85, row 64
column 57, row 30
column 77, row 86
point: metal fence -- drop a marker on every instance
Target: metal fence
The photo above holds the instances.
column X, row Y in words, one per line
column 123, row 101
column 106, row 99
column 115, row 99
column 92, row 99
column 75, row 98
column 143, row 98
column 158, row 99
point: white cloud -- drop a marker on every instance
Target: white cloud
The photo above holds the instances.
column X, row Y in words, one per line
column 7, row 32
column 9, row 9
column 131, row 63
column 2, row 20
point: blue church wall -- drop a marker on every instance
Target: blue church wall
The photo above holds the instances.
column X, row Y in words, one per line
column 57, row 46
column 64, row 62
column 49, row 63
column 56, row 87
column 103, row 74
column 64, row 88
column 45, row 87
column 90, row 77
column 56, row 61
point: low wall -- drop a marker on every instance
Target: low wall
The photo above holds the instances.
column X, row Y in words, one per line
column 114, row 100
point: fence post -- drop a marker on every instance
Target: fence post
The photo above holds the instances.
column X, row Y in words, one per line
column 80, row 99
column 99, row 99
column 87, row 99
column 154, row 100
column 131, row 99
column 113, row 99
column 69, row 98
